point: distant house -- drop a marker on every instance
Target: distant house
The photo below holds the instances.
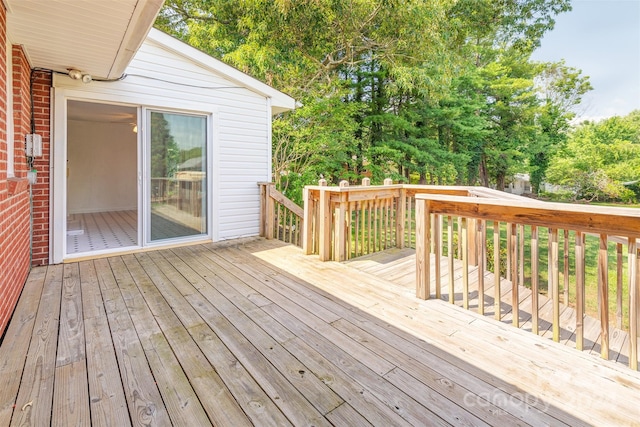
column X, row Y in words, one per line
column 520, row 184
column 140, row 140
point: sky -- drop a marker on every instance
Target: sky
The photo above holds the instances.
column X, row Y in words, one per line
column 601, row 38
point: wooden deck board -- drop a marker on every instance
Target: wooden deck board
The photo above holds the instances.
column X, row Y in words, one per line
column 34, row 400
column 253, row 332
column 19, row 333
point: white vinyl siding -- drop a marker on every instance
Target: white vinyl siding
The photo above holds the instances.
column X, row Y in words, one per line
column 241, row 121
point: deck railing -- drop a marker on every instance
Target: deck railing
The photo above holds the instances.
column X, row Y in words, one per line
column 280, row 218
column 349, row 221
column 529, row 223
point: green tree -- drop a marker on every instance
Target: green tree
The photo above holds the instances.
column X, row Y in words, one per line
column 165, row 154
column 560, row 89
column 599, row 158
column 433, row 91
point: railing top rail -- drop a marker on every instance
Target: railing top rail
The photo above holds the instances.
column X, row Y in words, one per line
column 459, row 190
column 337, row 189
column 593, row 219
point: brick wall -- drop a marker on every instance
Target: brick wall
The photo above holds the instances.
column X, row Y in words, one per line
column 42, row 104
column 14, row 192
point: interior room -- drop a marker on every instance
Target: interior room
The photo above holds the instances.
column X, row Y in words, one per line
column 102, row 166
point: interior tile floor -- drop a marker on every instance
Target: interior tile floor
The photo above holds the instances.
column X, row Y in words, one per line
column 97, row 231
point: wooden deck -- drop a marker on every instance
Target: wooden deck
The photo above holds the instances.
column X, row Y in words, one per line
column 255, row 333
column 398, row 266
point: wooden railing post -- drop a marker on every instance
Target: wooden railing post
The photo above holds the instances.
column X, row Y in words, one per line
column 324, row 226
column 307, row 227
column 263, row 208
column 267, row 207
column 340, row 232
column 423, row 244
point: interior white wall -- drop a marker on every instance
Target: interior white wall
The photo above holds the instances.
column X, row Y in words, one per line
column 102, row 167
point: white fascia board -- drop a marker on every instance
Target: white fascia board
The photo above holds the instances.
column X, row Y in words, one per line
column 280, row 102
column 139, row 26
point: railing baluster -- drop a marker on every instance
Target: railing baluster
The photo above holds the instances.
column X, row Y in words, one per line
column 459, row 239
column 481, row 242
column 370, row 237
column 619, row 275
column 291, row 227
column 521, row 254
column 535, row 262
column 279, row 230
column 450, row 258
column 465, row 263
column 509, row 274
column 496, row 270
column 566, row 268
column 437, row 242
column 580, row 282
column 633, row 262
column 356, row 238
column 513, row 257
column 554, row 279
column 603, row 292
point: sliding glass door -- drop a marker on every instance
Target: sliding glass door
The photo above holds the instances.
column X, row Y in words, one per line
column 177, row 171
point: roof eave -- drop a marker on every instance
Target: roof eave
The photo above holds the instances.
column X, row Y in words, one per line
column 280, row 101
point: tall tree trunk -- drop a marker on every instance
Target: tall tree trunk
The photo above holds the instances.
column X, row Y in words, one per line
column 484, row 176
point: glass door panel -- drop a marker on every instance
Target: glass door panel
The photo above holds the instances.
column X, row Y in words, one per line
column 178, row 175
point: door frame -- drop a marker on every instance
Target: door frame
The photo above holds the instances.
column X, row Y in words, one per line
column 58, row 179
column 145, row 202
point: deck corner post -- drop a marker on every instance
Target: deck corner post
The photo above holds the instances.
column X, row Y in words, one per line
column 267, row 210
column 263, row 208
column 423, row 245
column 307, row 222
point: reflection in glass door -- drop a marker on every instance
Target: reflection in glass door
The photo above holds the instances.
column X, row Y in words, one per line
column 177, row 154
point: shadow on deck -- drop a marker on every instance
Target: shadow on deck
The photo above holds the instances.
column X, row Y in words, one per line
column 398, row 266
column 252, row 332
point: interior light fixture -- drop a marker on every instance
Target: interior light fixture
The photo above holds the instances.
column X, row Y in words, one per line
column 86, row 78
column 75, row 74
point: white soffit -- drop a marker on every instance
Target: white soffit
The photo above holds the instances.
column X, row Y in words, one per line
column 98, row 37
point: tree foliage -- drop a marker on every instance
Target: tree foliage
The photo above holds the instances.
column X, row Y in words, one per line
column 438, row 91
column 599, row 158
